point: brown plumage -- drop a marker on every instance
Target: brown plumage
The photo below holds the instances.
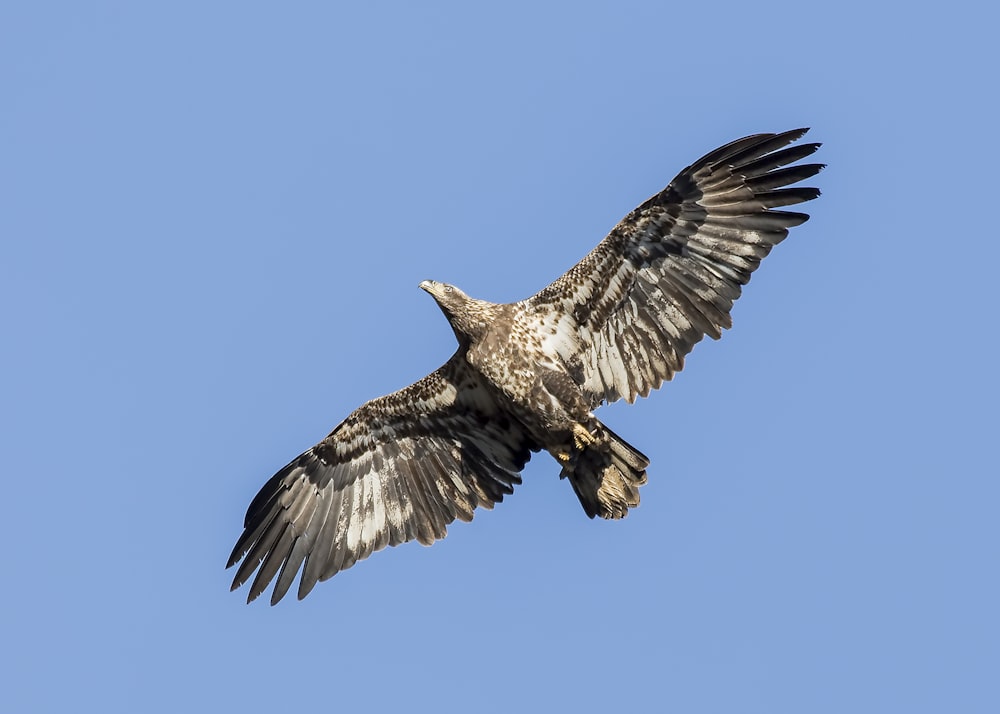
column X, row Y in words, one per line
column 528, row 375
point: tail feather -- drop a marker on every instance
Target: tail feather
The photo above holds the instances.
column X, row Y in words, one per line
column 606, row 475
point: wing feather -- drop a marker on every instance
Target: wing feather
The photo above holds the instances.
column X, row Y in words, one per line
column 669, row 272
column 400, row 468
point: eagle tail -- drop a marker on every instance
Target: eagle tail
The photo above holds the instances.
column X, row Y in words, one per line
column 606, row 475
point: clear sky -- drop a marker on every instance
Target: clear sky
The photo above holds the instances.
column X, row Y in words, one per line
column 214, row 220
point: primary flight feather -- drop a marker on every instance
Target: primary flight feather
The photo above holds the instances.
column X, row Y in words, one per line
column 528, row 376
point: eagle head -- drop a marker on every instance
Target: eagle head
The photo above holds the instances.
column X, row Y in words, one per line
column 447, row 296
column 467, row 316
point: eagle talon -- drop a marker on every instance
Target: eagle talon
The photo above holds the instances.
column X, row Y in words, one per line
column 581, row 437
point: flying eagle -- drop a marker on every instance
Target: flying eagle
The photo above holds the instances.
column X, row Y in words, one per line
column 528, row 376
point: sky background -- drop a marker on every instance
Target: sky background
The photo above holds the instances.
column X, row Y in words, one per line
column 214, row 218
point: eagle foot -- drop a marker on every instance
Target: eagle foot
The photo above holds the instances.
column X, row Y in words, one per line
column 581, row 437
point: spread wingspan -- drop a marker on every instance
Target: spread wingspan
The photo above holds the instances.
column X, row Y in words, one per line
column 528, row 375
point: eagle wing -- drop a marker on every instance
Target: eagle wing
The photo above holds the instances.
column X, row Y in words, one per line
column 624, row 317
column 399, row 468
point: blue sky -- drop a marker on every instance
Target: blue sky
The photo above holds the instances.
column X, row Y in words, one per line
column 214, row 222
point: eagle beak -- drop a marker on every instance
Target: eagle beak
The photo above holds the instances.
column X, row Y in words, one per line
column 427, row 285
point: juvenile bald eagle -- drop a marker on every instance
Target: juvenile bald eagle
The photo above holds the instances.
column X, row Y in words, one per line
column 528, row 375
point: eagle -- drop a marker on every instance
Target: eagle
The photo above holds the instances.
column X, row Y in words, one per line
column 527, row 376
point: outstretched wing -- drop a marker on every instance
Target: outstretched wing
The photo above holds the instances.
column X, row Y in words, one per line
column 400, row 468
column 625, row 316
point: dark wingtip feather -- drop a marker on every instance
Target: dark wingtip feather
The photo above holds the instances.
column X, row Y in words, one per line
column 766, row 144
column 238, row 552
column 791, row 218
column 787, row 137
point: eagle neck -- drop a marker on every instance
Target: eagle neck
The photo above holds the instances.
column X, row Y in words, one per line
column 470, row 320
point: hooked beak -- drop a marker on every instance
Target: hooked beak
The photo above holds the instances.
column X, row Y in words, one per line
column 428, row 285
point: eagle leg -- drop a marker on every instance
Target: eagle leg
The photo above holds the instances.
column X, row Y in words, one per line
column 581, row 437
column 581, row 440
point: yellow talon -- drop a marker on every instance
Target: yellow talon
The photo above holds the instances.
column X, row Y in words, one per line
column 581, row 437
